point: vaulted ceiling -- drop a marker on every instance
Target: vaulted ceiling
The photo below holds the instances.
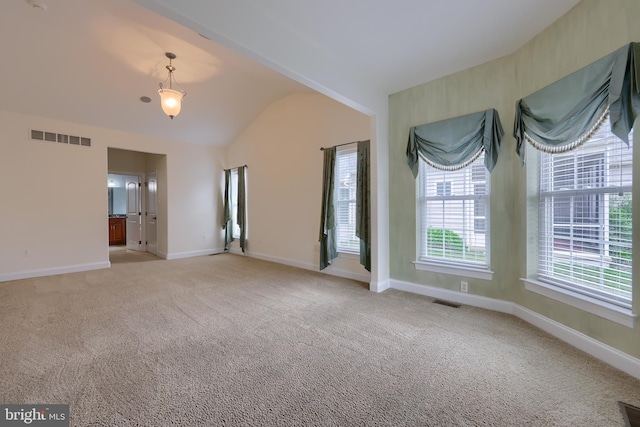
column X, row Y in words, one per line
column 91, row 61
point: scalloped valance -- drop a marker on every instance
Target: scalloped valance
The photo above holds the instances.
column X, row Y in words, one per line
column 564, row 114
column 455, row 143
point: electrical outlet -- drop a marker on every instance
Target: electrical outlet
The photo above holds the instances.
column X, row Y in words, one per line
column 464, row 286
column 25, row 253
column 204, row 237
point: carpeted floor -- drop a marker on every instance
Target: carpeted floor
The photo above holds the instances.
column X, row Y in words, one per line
column 119, row 256
column 230, row 340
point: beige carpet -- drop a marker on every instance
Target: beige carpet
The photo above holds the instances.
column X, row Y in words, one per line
column 229, row 340
column 122, row 255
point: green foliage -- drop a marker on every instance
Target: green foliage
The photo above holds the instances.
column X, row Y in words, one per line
column 594, row 275
column 620, row 219
column 444, row 239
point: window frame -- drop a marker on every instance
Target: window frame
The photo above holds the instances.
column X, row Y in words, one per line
column 460, row 267
column 235, row 229
column 590, row 181
column 343, row 152
column 583, row 297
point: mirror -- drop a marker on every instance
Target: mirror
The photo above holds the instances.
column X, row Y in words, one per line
column 117, row 194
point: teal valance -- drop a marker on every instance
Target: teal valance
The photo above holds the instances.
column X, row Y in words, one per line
column 454, row 143
column 562, row 115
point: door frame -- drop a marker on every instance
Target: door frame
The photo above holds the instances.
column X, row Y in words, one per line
column 145, row 207
column 143, row 201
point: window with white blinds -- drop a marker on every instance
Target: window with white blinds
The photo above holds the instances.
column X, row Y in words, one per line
column 234, row 204
column 346, row 176
column 453, row 215
column 585, row 241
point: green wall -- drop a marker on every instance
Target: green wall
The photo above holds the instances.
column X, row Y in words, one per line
column 588, row 32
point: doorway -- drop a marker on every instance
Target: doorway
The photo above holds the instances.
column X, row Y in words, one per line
column 120, row 204
column 133, row 216
column 135, row 192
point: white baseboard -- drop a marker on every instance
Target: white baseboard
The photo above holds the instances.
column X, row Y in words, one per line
column 281, row 260
column 379, row 286
column 189, row 254
column 453, row 296
column 332, row 270
column 591, row 346
column 54, row 271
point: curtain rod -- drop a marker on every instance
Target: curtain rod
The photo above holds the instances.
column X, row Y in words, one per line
column 339, row 145
column 241, row 166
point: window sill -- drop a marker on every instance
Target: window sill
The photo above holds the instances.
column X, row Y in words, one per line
column 603, row 309
column 457, row 270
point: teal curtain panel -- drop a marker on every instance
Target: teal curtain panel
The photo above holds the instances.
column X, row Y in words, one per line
column 226, row 220
column 363, row 204
column 328, row 248
column 242, row 207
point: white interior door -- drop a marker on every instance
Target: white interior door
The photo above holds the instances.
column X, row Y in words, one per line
column 134, row 222
column 151, row 214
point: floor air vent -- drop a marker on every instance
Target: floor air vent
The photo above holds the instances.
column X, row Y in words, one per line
column 447, row 303
column 631, row 414
column 39, row 135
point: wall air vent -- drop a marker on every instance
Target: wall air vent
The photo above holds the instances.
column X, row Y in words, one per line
column 447, row 303
column 39, row 135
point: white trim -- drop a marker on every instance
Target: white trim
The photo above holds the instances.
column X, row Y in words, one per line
column 162, row 255
column 595, row 348
column 591, row 346
column 189, row 254
column 453, row 296
column 280, row 260
column 54, row 271
column 379, row 286
column 331, row 270
column 591, row 305
column 458, row 270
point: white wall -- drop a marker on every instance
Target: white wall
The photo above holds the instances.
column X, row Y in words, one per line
column 281, row 149
column 53, row 198
column 244, row 29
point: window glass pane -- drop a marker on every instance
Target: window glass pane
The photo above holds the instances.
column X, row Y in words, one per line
column 234, row 204
column 345, row 194
column 585, row 218
column 453, row 214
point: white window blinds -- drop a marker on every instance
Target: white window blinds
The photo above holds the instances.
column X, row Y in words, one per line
column 345, row 200
column 234, row 203
column 453, row 214
column 585, row 241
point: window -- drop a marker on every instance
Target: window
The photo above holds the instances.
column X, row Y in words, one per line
column 234, row 204
column 443, row 188
column 346, row 179
column 453, row 215
column 584, row 233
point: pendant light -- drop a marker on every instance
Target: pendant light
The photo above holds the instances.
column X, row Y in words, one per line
column 170, row 98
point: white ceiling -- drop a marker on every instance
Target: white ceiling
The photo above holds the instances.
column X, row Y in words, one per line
column 90, row 61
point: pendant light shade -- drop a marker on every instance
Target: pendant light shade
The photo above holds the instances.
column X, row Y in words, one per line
column 171, row 101
column 170, row 98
